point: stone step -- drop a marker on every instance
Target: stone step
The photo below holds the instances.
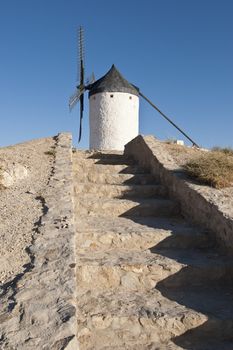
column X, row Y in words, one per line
column 149, row 346
column 92, row 166
column 139, row 233
column 214, row 338
column 144, row 270
column 215, row 300
column 120, row 191
column 126, row 320
column 124, row 207
column 122, row 319
column 144, row 282
column 211, row 343
column 114, row 179
column 106, row 158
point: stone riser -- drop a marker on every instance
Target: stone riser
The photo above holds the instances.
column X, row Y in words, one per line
column 140, row 331
column 148, row 346
column 130, row 319
column 95, row 241
column 114, row 179
column 159, row 207
column 113, row 330
column 91, row 166
column 145, row 277
column 119, row 191
column 103, row 158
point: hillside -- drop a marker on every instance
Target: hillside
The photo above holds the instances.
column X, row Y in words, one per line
column 24, row 170
column 112, row 250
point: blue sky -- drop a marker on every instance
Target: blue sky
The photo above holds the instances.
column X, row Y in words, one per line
column 179, row 53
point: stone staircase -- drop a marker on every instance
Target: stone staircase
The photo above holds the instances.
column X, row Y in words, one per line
column 146, row 278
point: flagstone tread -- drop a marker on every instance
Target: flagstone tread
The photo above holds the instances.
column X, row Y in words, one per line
column 91, row 166
column 150, row 346
column 204, row 342
column 101, row 155
column 144, row 270
column 163, row 257
column 141, row 318
column 132, row 318
column 123, row 303
column 114, row 178
column 215, row 300
column 191, row 344
column 174, row 224
column 103, row 233
column 118, row 191
column 140, row 240
column 126, row 207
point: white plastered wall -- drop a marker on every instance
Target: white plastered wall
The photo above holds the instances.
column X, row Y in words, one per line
column 114, row 120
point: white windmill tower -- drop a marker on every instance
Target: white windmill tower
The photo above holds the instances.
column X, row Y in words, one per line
column 114, row 112
column 113, row 107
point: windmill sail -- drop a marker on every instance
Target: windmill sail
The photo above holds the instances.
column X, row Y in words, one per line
column 78, row 96
column 81, row 117
column 81, row 85
column 75, row 98
column 90, row 80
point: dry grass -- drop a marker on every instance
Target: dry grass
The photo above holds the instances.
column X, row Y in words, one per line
column 214, row 168
column 182, row 154
column 1, row 185
column 226, row 150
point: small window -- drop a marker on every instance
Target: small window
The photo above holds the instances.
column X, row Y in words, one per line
column 111, row 95
column 130, row 97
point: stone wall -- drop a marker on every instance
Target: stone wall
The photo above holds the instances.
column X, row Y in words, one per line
column 40, row 311
column 198, row 203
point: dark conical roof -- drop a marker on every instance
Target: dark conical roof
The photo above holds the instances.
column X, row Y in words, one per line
column 112, row 81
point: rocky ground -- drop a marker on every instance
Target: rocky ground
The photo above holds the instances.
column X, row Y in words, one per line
column 24, row 173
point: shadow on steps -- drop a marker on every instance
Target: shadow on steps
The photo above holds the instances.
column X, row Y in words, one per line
column 111, row 158
column 204, row 284
column 207, row 290
column 211, row 335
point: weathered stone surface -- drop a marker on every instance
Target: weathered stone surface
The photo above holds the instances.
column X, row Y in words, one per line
column 144, row 282
column 123, row 318
column 41, row 313
column 140, row 275
column 125, row 207
column 103, row 233
column 119, row 191
column 202, row 204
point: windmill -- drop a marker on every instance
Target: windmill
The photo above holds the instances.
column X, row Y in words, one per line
column 114, row 107
column 78, row 96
